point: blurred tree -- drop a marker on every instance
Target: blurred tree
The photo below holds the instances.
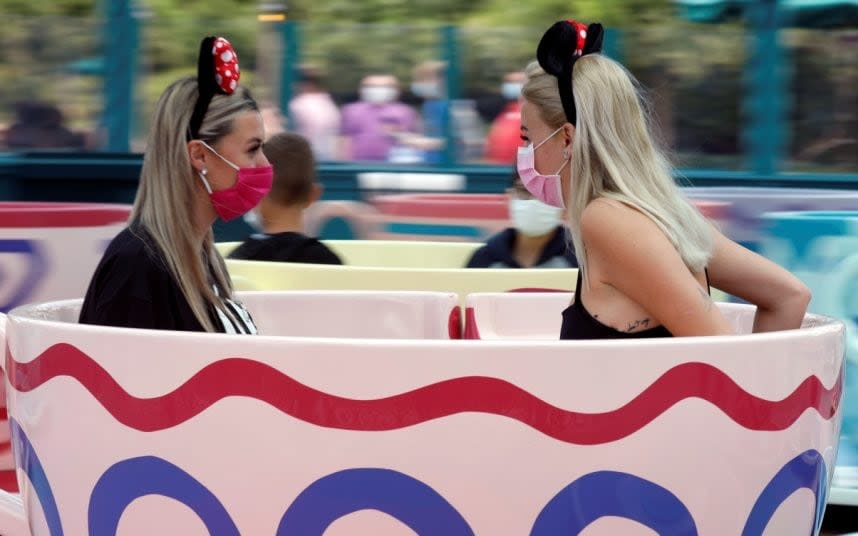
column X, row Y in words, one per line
column 73, row 8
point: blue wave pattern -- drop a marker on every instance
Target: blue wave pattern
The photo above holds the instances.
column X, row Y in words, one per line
column 131, row 479
column 404, row 498
column 27, row 460
column 36, row 269
column 807, row 470
column 412, row 502
column 616, row 494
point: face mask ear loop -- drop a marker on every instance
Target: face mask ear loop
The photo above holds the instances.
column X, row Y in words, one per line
column 202, row 177
column 209, row 147
column 548, row 138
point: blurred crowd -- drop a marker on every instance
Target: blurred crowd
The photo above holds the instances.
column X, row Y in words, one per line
column 383, row 122
column 389, row 123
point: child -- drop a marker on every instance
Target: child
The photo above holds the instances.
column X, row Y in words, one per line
column 280, row 214
column 536, row 239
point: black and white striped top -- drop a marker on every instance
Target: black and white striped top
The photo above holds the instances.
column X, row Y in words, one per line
column 233, row 317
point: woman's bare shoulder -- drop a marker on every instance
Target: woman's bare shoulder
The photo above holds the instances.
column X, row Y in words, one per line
column 609, row 220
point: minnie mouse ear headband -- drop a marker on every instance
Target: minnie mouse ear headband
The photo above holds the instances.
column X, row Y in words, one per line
column 217, row 72
column 560, row 48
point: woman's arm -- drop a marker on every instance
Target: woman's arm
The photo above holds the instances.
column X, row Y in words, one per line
column 780, row 297
column 636, row 258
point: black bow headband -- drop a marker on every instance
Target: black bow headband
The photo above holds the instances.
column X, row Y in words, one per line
column 217, row 72
column 559, row 49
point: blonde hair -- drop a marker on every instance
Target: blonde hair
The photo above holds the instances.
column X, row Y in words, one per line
column 614, row 155
column 168, row 187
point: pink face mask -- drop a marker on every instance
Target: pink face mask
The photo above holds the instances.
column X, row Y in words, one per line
column 251, row 185
column 546, row 188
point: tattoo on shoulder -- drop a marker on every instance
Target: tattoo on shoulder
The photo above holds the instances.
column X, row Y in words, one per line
column 637, row 324
column 707, row 300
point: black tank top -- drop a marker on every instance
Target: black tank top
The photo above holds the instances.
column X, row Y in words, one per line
column 578, row 323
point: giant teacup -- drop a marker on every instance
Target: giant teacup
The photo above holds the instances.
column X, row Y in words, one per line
column 743, row 219
column 48, row 251
column 182, row 433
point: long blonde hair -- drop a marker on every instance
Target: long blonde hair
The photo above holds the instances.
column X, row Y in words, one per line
column 614, row 155
column 168, row 188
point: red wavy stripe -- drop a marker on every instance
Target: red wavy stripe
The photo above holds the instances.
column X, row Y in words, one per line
column 246, row 378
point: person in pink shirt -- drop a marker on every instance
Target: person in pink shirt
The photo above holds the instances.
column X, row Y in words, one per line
column 314, row 115
column 377, row 123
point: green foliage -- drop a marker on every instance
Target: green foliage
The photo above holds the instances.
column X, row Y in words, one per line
column 66, row 8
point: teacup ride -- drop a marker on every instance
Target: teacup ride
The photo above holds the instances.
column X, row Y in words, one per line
column 48, row 251
column 273, row 276
column 400, row 430
column 432, row 216
column 396, row 265
column 399, row 265
column 821, row 248
column 743, row 220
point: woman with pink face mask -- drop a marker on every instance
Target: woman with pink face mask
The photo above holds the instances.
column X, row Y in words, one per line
column 203, row 161
column 647, row 257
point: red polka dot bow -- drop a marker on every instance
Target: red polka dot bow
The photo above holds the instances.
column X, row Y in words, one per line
column 226, row 67
column 581, row 34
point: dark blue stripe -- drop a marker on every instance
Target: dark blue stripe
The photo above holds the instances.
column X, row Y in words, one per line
column 405, row 498
column 131, row 479
column 27, row 460
column 616, row 494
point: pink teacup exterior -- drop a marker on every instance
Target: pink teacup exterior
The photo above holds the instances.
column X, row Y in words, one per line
column 301, row 436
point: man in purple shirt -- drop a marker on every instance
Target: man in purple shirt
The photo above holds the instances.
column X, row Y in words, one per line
column 371, row 127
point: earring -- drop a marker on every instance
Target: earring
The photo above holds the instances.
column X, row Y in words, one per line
column 204, row 172
column 565, row 153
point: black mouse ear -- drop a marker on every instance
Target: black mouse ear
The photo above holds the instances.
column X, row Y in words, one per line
column 205, row 66
column 595, row 36
column 557, row 48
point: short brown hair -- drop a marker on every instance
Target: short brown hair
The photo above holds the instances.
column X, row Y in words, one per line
column 294, row 168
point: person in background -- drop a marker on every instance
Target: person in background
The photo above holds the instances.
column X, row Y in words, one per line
column 203, row 161
column 537, row 238
column 647, row 256
column 41, row 125
column 373, row 126
column 504, row 137
column 314, row 114
column 430, row 84
column 280, row 215
column 272, row 119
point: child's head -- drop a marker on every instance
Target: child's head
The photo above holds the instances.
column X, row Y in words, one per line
column 294, row 170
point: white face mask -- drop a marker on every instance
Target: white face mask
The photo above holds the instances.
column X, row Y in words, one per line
column 532, row 217
column 252, row 218
column 511, row 90
column 426, row 90
column 378, row 94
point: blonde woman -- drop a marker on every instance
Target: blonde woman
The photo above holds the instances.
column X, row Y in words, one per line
column 204, row 160
column 647, row 256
